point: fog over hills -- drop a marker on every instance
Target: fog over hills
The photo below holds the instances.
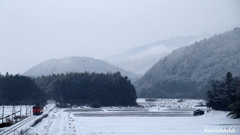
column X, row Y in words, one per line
column 76, row 64
column 186, row 71
column 140, row 59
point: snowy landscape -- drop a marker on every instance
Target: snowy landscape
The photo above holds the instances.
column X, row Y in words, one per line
column 161, row 116
column 164, row 116
column 120, row 67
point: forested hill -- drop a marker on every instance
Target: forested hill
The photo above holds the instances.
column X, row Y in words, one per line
column 92, row 89
column 89, row 89
column 140, row 59
column 76, row 64
column 186, row 71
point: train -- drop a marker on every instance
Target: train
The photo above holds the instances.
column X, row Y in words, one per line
column 37, row 110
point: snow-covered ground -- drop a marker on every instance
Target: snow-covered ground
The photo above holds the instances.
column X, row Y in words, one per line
column 155, row 125
column 8, row 109
column 163, row 116
column 22, row 110
column 23, row 125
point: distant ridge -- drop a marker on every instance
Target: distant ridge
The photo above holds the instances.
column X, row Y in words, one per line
column 76, row 64
column 140, row 59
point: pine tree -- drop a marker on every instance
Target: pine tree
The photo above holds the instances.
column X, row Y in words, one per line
column 229, row 78
column 225, row 95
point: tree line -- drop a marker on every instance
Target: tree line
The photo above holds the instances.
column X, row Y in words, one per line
column 18, row 89
column 71, row 88
column 225, row 95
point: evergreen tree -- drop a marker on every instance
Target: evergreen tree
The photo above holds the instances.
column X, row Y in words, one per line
column 89, row 89
column 225, row 95
column 17, row 89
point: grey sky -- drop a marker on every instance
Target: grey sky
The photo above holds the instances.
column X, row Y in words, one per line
column 32, row 31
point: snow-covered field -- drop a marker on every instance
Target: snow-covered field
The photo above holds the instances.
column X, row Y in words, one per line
column 22, row 110
column 163, row 116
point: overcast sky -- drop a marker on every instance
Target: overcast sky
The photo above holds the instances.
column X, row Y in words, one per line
column 32, row 31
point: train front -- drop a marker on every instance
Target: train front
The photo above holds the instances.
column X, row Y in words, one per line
column 37, row 110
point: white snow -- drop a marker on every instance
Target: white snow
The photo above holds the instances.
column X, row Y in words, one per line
column 154, row 125
column 25, row 124
column 57, row 123
column 84, row 121
column 8, row 110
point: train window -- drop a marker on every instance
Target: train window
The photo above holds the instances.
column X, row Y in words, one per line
column 36, row 107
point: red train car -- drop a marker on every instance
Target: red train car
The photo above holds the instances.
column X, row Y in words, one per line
column 37, row 110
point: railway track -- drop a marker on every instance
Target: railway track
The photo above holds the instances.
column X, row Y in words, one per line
column 19, row 126
column 16, row 126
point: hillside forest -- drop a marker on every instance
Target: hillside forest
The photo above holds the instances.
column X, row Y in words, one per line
column 92, row 89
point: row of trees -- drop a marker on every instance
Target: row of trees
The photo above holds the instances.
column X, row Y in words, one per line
column 225, row 95
column 91, row 89
column 18, row 89
column 71, row 88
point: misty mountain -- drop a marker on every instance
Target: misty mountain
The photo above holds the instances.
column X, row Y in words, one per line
column 186, row 71
column 139, row 59
column 76, row 64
